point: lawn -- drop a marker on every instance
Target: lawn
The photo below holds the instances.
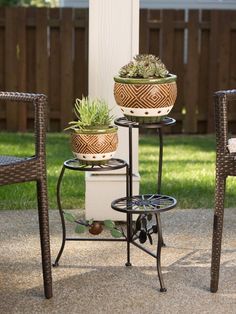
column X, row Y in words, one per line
column 188, row 171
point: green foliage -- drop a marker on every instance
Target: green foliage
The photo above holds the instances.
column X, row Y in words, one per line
column 109, row 224
column 69, row 217
column 94, row 228
column 26, row 3
column 116, row 233
column 80, row 228
column 5, row 3
column 144, row 66
column 90, row 113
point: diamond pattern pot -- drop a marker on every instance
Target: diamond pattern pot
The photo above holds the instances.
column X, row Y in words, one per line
column 94, row 146
column 145, row 100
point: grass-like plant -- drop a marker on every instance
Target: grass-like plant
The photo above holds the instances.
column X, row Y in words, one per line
column 90, row 113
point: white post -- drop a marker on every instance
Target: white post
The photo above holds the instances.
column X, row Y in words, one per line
column 113, row 41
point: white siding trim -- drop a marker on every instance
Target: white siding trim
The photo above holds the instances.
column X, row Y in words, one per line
column 165, row 4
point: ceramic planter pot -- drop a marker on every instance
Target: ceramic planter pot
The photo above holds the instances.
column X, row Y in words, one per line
column 94, row 146
column 145, row 100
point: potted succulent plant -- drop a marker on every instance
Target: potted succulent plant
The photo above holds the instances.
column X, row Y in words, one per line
column 94, row 139
column 145, row 90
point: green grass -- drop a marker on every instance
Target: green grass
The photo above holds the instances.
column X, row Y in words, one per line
column 188, row 171
column 24, row 194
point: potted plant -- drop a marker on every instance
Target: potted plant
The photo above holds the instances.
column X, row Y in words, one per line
column 94, row 139
column 145, row 90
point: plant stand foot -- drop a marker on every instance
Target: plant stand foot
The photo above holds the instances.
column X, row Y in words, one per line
column 163, row 244
column 55, row 264
column 128, row 264
column 163, row 290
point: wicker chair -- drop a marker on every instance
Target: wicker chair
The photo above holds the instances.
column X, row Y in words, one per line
column 225, row 166
column 16, row 170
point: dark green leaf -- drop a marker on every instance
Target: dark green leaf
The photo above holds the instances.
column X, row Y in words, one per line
column 144, row 222
column 69, row 217
column 80, row 228
column 154, row 228
column 149, row 217
column 150, row 238
column 109, row 224
column 138, row 225
column 116, row 233
column 142, row 236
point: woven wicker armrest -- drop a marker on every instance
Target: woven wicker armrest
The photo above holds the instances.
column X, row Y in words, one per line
column 221, row 99
column 40, row 103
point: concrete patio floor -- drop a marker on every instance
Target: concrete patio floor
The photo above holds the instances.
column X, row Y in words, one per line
column 92, row 277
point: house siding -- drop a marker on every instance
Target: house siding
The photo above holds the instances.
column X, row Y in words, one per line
column 168, row 4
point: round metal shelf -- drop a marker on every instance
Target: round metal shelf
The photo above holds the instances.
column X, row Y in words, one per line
column 112, row 164
column 144, row 204
column 123, row 121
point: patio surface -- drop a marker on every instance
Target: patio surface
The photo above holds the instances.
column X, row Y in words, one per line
column 92, row 277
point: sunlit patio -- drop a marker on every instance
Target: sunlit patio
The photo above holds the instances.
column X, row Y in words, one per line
column 92, row 277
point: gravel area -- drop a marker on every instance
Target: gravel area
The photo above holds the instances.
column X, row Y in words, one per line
column 92, row 277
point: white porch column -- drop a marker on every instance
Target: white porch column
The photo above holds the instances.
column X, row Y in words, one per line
column 113, row 41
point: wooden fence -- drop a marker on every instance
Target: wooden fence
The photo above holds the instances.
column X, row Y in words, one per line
column 46, row 50
column 200, row 48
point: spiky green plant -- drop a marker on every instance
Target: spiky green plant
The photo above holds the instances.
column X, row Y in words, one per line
column 90, row 113
column 144, row 66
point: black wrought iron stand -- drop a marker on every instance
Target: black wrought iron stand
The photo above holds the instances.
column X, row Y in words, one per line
column 74, row 164
column 144, row 205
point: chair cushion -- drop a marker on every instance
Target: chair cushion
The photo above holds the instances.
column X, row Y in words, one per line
column 7, row 160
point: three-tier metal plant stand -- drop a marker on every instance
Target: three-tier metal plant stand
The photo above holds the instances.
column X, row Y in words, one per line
column 148, row 206
column 145, row 205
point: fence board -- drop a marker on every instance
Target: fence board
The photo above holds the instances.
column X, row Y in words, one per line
column 11, row 66
column 41, row 51
column 54, row 72
column 143, row 32
column 66, row 67
column 167, row 51
column 31, row 61
column 178, row 68
column 203, row 75
column 21, row 60
column 191, row 83
column 81, row 56
column 213, row 67
column 2, row 70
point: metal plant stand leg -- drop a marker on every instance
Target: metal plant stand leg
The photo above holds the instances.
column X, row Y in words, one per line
column 129, row 238
column 129, row 190
column 44, row 236
column 159, row 246
column 159, row 177
column 217, row 231
column 62, row 217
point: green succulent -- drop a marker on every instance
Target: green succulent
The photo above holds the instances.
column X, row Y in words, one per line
column 90, row 113
column 144, row 66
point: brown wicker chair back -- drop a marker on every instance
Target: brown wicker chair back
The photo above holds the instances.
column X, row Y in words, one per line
column 225, row 166
column 17, row 170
